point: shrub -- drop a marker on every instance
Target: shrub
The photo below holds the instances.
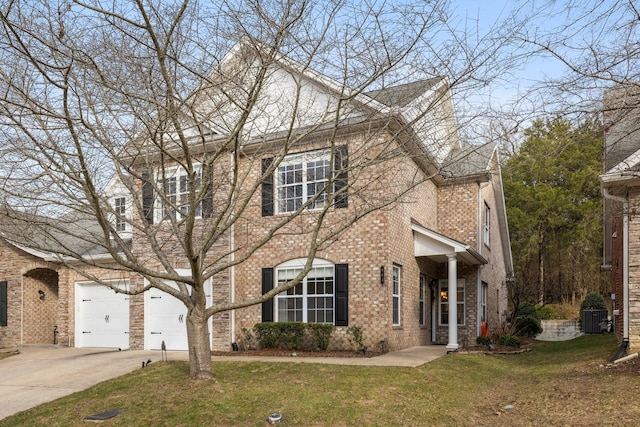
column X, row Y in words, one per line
column 293, row 335
column 527, row 321
column 566, row 310
column 483, row 340
column 546, row 312
column 247, row 339
column 509, row 340
column 356, row 339
column 529, row 326
column 320, row 335
column 267, row 334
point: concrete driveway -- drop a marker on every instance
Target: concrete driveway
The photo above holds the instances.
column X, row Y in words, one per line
column 41, row 374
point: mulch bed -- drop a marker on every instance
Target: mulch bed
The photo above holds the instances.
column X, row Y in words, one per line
column 277, row 352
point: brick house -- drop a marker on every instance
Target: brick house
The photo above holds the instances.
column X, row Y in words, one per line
column 388, row 273
column 621, row 189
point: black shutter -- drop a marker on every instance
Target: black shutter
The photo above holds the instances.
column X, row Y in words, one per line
column 267, row 285
column 207, row 200
column 4, row 303
column 341, row 163
column 342, row 295
column 147, row 197
column 267, row 188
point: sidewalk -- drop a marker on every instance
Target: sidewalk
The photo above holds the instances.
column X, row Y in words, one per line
column 407, row 358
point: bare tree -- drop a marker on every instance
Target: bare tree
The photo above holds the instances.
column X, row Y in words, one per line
column 170, row 99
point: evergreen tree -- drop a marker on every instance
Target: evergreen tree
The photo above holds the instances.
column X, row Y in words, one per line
column 554, row 206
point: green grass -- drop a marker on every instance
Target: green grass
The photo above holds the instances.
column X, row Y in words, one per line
column 555, row 384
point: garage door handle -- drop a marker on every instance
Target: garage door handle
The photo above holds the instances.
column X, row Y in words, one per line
column 86, row 332
column 181, row 318
column 156, row 297
column 106, row 319
column 156, row 333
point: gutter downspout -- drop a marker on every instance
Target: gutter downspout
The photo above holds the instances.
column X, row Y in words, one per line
column 481, row 213
column 232, row 272
column 624, row 346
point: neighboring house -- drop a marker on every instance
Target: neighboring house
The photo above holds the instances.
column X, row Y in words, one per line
column 621, row 190
column 390, row 273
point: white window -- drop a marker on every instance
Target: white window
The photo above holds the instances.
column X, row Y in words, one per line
column 486, row 222
column 300, row 178
column 311, row 300
column 120, row 211
column 444, row 302
column 421, row 299
column 176, row 186
column 397, row 271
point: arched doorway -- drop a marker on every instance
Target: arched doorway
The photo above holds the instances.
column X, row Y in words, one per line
column 40, row 299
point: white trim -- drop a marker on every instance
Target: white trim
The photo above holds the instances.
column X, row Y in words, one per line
column 397, row 295
column 437, row 246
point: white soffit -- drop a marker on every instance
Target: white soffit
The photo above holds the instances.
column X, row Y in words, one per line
column 436, row 246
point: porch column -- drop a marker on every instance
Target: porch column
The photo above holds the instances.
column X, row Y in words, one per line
column 453, row 301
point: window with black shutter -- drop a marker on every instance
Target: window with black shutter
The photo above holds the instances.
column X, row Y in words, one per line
column 267, row 285
column 267, row 189
column 4, row 303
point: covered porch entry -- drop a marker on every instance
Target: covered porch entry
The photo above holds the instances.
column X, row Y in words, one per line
column 444, row 250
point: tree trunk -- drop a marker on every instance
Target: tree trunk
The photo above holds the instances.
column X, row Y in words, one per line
column 199, row 344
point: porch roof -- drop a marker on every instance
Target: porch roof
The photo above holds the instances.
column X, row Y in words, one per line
column 437, row 246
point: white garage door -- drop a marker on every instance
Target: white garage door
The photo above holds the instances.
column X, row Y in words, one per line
column 102, row 317
column 165, row 319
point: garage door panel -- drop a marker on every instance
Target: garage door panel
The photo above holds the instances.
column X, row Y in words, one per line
column 102, row 317
column 165, row 320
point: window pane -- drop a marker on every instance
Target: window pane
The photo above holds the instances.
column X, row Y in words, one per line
column 309, row 301
column 396, row 310
column 307, row 175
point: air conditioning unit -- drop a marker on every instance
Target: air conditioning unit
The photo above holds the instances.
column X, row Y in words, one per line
column 595, row 321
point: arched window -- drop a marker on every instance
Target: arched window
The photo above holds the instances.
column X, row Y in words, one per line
column 312, row 300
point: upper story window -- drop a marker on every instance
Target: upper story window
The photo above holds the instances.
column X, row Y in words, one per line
column 306, row 179
column 176, row 185
column 300, row 178
column 486, row 221
column 120, row 210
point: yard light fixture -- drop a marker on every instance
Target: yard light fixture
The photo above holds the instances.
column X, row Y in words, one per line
column 382, row 275
column 41, row 293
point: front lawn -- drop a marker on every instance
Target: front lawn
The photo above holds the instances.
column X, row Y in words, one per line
column 555, row 384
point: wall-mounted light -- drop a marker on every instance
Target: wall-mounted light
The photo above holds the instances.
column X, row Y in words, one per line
column 382, row 275
column 41, row 293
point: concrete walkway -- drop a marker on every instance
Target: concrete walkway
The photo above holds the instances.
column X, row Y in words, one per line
column 40, row 374
column 407, row 358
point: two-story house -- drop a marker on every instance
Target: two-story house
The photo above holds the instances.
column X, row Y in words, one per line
column 408, row 209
